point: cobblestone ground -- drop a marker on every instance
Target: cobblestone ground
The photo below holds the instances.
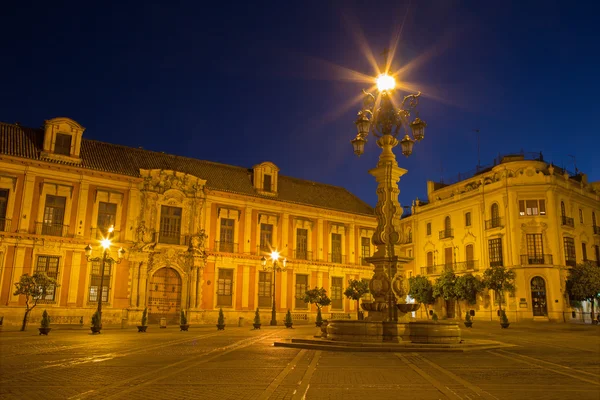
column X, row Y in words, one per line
column 549, row 361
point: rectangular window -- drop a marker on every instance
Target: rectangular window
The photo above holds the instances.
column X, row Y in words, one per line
column 336, row 248
column 98, row 281
column 580, row 216
column 63, row 144
column 448, row 257
column 532, row 207
column 468, row 219
column 495, row 251
column 535, row 249
column 266, row 237
column 54, row 214
column 429, row 229
column 570, row 256
column 170, row 225
column 470, row 257
column 3, row 206
column 365, row 250
column 301, row 288
column 264, row 289
column 107, row 216
column 49, row 266
column 302, row 244
column 336, row 293
column 225, row 287
column 430, row 259
column 267, row 183
column 584, row 251
column 226, row 238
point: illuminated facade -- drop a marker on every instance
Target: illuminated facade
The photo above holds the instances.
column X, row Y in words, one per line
column 523, row 213
column 194, row 232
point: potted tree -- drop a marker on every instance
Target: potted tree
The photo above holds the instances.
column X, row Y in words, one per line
column 468, row 322
column 500, row 280
column 183, row 323
column 421, row 290
column 256, row 324
column 221, row 321
column 96, row 323
column 356, row 289
column 288, row 319
column 318, row 297
column 583, row 284
column 503, row 319
column 445, row 287
column 34, row 288
column 143, row 326
column 466, row 288
column 45, row 324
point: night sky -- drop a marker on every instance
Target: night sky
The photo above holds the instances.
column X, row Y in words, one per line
column 245, row 82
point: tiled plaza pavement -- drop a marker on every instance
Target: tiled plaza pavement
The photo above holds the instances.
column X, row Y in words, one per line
column 549, row 361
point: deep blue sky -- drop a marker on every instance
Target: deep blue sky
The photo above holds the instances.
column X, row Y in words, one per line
column 244, row 82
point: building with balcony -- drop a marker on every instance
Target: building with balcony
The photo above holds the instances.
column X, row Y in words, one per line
column 523, row 213
column 194, row 231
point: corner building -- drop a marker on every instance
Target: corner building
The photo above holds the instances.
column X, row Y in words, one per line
column 194, row 232
column 523, row 213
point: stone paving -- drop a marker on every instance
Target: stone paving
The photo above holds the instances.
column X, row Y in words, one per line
column 548, row 361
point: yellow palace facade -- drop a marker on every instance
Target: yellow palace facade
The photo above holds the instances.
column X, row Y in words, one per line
column 194, row 232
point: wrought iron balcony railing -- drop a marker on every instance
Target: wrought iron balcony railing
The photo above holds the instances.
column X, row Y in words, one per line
column 494, row 223
column 462, row 266
column 303, row 255
column 51, row 229
column 447, row 234
column 536, row 259
column 596, row 230
column 173, row 237
column 568, row 221
column 226, row 247
column 101, row 233
column 4, row 225
column 336, row 258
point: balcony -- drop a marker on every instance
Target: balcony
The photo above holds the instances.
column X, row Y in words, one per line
column 51, row 229
column 459, row 267
column 4, row 225
column 303, row 255
column 596, row 230
column 537, row 259
column 226, row 247
column 494, row 223
column 571, row 262
column 173, row 237
column 447, row 234
column 336, row 258
column 568, row 221
column 100, row 233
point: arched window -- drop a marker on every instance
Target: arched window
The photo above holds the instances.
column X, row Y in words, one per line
column 594, row 220
column 495, row 222
column 469, row 256
column 562, row 209
column 447, row 224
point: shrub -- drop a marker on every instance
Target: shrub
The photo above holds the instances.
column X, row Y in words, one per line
column 96, row 322
column 257, row 317
column 45, row 320
column 467, row 317
column 183, row 318
column 319, row 317
column 503, row 317
column 221, row 320
column 288, row 317
column 144, row 316
column 434, row 317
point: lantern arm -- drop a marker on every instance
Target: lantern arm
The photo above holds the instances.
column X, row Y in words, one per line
column 413, row 101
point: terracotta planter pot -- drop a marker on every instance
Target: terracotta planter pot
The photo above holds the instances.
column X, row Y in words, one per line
column 142, row 328
column 44, row 331
column 184, row 327
column 256, row 326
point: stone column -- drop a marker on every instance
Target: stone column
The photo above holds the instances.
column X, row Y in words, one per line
column 245, row 286
column 27, row 214
column 248, row 230
column 133, row 212
column 353, row 248
column 193, row 280
column 319, row 249
column 76, row 269
column 84, row 188
column 133, row 273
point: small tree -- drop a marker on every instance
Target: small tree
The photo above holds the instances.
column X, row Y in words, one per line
column 444, row 286
column 144, row 316
column 96, row 323
column 466, row 288
column 35, row 288
column 500, row 280
column 318, row 297
column 583, row 284
column 288, row 318
column 221, row 319
column 257, row 317
column 183, row 318
column 421, row 290
column 45, row 320
column 356, row 289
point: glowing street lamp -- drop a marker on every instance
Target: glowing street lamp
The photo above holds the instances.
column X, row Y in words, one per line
column 105, row 243
column 275, row 267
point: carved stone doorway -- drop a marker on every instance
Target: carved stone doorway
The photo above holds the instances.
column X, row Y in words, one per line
column 538, row 297
column 164, row 299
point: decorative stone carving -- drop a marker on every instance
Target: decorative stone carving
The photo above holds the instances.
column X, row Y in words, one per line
column 400, row 288
column 197, row 243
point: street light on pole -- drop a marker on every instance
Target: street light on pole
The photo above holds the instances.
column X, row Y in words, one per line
column 275, row 267
column 382, row 118
column 105, row 243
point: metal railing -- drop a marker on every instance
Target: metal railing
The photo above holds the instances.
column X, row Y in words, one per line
column 462, row 266
column 226, row 247
column 337, row 258
column 100, row 233
column 568, row 221
column 494, row 223
column 173, row 237
column 303, row 255
column 536, row 259
column 571, row 262
column 447, row 234
column 51, row 229
column 4, row 225
column 262, row 250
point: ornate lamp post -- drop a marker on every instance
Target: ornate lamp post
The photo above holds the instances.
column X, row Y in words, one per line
column 275, row 267
column 385, row 121
column 105, row 243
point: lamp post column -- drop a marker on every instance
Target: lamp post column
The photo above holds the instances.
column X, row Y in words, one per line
column 101, row 290
column 274, row 309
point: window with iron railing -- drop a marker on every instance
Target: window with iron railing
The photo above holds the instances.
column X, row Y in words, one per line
column 226, row 236
column 336, row 248
column 225, row 287
column 570, row 255
column 532, row 207
column 97, row 281
column 107, row 216
column 170, row 225
column 302, row 244
column 49, row 266
column 266, row 238
column 54, row 213
column 365, row 250
column 301, row 288
column 495, row 252
column 336, row 293
column 567, row 221
column 264, row 289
